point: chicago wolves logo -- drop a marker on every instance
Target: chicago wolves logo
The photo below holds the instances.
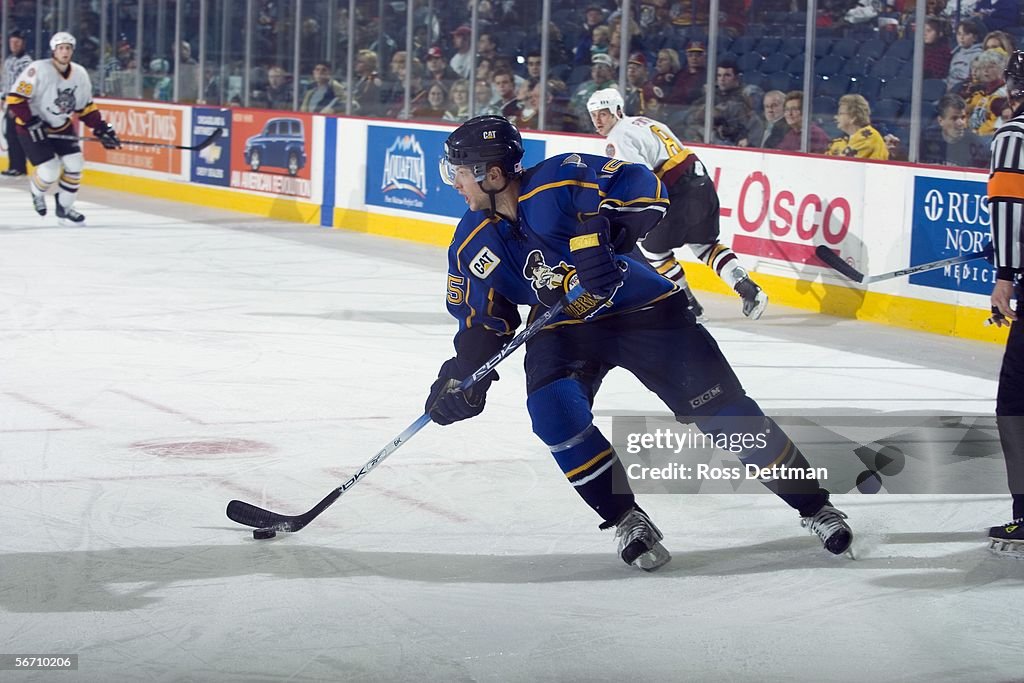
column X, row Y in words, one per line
column 64, row 103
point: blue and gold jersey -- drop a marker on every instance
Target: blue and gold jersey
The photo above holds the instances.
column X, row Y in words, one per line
column 494, row 265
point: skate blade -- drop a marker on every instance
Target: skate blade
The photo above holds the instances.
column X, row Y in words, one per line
column 654, row 558
column 68, row 223
column 761, row 303
column 1003, row 548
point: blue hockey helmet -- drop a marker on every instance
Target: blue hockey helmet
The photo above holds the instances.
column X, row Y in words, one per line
column 480, row 143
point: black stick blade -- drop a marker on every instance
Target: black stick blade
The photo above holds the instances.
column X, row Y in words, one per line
column 258, row 518
column 833, row 261
column 210, row 140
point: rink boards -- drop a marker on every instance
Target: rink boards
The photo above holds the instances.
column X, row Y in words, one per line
column 381, row 177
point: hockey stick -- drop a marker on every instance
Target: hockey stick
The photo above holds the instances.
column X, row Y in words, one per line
column 203, row 144
column 833, row 261
column 251, row 515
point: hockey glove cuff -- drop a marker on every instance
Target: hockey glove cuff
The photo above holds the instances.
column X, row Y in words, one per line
column 594, row 257
column 36, row 129
column 107, row 136
column 447, row 403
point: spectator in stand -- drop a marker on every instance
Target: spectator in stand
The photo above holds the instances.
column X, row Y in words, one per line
column 775, row 126
column 505, row 86
column 188, row 74
column 793, row 113
column 533, row 65
column 602, row 75
column 393, row 86
column 486, row 46
column 951, row 143
column 636, row 80
column 417, row 93
column 461, row 61
column 969, row 35
column 506, row 63
column 656, row 24
column 666, row 71
column 998, row 15
column 558, row 115
column 859, row 139
column 435, row 105
column 438, row 69
column 367, row 89
column 985, row 94
column 999, row 40
column 690, row 80
column 592, row 17
column 484, row 99
column 734, row 121
column 327, row 96
column 279, row 89
column 686, row 13
column 528, row 116
column 485, row 73
column 459, row 95
column 937, row 53
column 600, row 40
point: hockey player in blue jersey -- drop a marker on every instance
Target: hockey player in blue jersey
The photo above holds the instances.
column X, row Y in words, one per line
column 527, row 238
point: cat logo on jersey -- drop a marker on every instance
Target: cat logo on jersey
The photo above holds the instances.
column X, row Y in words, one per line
column 64, row 102
column 484, row 263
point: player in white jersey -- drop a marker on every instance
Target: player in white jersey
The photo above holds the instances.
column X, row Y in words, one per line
column 42, row 101
column 692, row 218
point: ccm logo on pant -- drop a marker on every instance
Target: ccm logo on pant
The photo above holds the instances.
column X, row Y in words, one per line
column 706, row 396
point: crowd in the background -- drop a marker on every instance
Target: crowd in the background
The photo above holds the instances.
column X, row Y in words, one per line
column 860, row 106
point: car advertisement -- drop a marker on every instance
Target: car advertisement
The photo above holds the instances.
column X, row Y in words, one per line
column 212, row 164
column 950, row 218
column 143, row 122
column 401, row 170
column 270, row 152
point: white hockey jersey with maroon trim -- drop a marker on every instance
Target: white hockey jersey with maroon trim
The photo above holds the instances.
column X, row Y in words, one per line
column 51, row 95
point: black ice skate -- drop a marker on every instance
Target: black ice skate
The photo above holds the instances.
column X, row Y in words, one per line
column 639, row 540
column 69, row 217
column 1008, row 539
column 828, row 523
column 694, row 305
column 754, row 298
column 39, row 203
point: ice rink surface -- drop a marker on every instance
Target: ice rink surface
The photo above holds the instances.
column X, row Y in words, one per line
column 168, row 358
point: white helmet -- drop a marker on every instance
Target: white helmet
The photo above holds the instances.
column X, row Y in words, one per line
column 609, row 98
column 62, row 38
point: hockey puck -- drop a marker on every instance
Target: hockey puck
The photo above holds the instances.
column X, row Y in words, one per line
column 263, row 534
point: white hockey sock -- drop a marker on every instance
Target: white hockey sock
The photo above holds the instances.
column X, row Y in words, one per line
column 722, row 260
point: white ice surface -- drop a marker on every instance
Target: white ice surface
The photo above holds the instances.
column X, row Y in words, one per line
column 153, row 368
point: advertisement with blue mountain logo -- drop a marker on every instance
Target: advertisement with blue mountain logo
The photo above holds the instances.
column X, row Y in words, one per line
column 401, row 170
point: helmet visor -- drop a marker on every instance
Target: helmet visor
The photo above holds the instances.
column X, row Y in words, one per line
column 448, row 171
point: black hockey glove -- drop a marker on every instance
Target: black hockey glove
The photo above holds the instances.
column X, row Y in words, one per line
column 107, row 136
column 594, row 257
column 36, row 130
column 447, row 403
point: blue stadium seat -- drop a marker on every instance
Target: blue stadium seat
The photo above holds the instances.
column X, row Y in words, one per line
column 768, row 45
column 845, row 48
column 868, row 86
column 750, row 62
column 796, row 64
column 901, row 49
column 856, row 66
column 835, row 86
column 897, row 89
column 932, row 89
column 743, row 44
column 792, row 46
column 873, row 48
column 886, row 110
column 776, row 61
column 824, row 106
column 828, row 66
column 886, row 68
column 822, row 46
column 780, row 80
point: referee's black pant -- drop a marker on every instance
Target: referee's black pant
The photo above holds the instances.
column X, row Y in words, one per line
column 15, row 154
column 1010, row 408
